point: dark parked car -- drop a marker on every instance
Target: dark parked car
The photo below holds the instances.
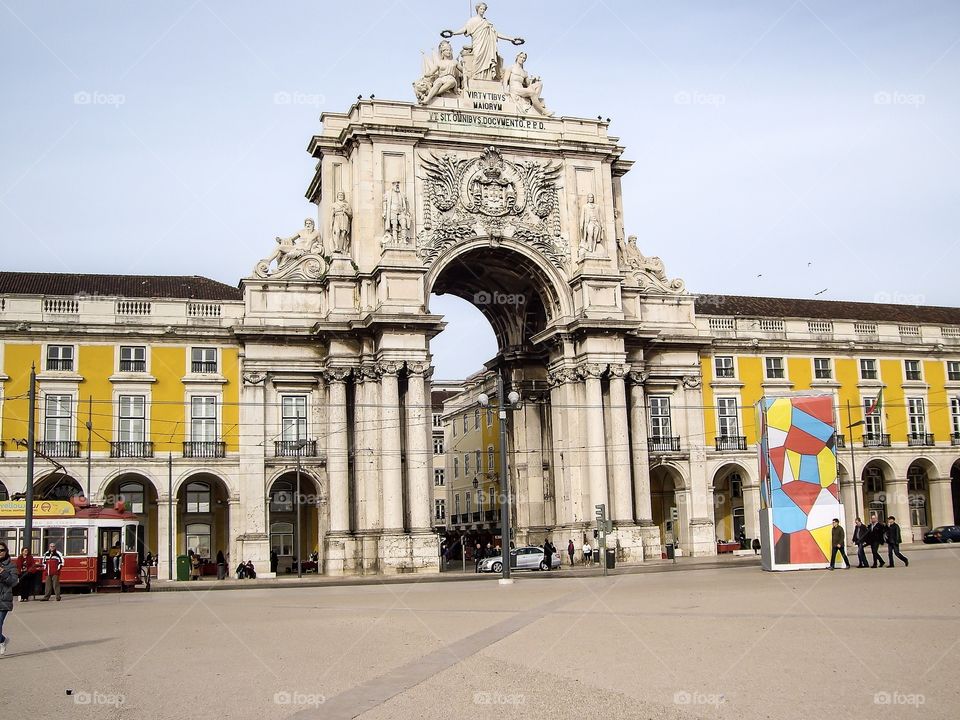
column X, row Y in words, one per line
column 942, row 534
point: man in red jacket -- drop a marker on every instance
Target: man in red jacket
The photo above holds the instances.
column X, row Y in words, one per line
column 52, row 564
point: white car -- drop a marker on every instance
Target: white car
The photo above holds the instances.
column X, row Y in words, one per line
column 527, row 558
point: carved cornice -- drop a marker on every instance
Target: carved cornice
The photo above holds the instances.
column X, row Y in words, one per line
column 254, row 378
column 691, row 382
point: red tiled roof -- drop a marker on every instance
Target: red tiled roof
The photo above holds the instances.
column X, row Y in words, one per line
column 181, row 287
column 747, row 306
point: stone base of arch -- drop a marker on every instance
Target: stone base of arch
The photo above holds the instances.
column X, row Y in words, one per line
column 650, row 537
column 703, row 538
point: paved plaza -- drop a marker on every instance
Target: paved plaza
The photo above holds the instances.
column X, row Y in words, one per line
column 700, row 641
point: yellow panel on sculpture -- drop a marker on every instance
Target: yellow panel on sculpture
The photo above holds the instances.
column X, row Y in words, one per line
column 823, row 536
column 793, row 457
column 779, row 413
column 827, row 462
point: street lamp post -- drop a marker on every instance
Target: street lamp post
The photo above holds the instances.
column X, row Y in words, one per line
column 300, row 444
column 512, row 403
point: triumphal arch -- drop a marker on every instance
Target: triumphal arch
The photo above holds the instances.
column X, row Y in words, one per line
column 473, row 187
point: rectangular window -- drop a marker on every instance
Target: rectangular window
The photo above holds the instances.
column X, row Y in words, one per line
column 469, row 497
column 477, row 456
column 453, row 422
column 132, row 418
column 868, row 369
column 293, row 417
column 438, row 446
column 456, row 466
column 58, row 418
column 916, row 416
column 489, row 416
column 466, row 425
column 438, row 478
column 203, row 418
column 456, row 504
column 911, row 370
column 873, row 421
column 440, row 509
column 660, row 425
column 480, row 501
column 76, row 541
column 133, row 358
column 437, row 420
column 723, row 366
column 203, row 360
column 466, row 464
column 57, row 536
column 476, row 419
column 822, row 369
column 60, row 357
column 727, row 417
column 774, row 367
column 955, row 417
column 953, row 370
column 490, row 463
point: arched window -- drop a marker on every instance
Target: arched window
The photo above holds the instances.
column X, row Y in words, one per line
column 132, row 495
column 281, row 496
column 198, row 539
column 873, row 479
column 917, row 495
column 736, row 485
column 198, row 497
column 917, row 479
column 281, row 538
column 4, row 495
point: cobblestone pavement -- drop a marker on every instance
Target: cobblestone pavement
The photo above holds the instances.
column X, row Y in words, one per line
column 725, row 641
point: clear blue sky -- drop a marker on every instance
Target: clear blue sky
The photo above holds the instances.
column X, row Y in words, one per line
column 782, row 147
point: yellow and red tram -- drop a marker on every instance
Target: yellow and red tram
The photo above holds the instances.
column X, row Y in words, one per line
column 99, row 544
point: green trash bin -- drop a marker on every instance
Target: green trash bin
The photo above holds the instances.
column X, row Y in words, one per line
column 611, row 558
column 183, row 567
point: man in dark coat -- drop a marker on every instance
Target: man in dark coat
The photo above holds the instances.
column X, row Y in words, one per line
column 860, row 534
column 548, row 553
column 876, row 536
column 8, row 578
column 837, row 540
column 893, row 541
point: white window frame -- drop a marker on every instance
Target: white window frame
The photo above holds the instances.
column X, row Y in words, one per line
column 782, row 369
column 873, row 422
column 70, row 417
column 874, row 370
column 917, row 416
column 491, row 459
column 440, row 509
column 906, row 371
column 466, row 464
column 126, row 420
column 456, row 504
column 61, row 356
column 657, row 403
column 291, row 405
column 438, row 446
column 456, row 468
column 437, row 420
column 466, row 424
column 195, row 534
column 953, row 368
column 133, row 353
column 197, row 506
column 199, row 354
column 439, row 477
column 191, row 405
column 955, row 416
column 729, row 373
column 724, row 404
column 818, row 368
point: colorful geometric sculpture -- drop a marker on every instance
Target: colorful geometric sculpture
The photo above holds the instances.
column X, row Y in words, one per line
column 799, row 495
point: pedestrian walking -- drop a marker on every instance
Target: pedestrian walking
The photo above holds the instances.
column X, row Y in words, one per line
column 893, row 542
column 28, row 569
column 52, row 565
column 8, row 578
column 876, row 536
column 477, row 557
column 837, row 539
column 548, row 553
column 195, row 566
column 587, row 552
column 860, row 534
column 222, row 565
column 571, row 551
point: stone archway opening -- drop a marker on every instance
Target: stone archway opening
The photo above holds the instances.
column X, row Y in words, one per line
column 140, row 498
column 955, row 490
column 920, row 473
column 203, row 519
column 283, row 503
column 56, row 486
column 875, row 476
column 728, row 506
column 664, row 483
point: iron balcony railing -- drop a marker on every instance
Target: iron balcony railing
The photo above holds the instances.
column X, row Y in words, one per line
column 60, row 365
column 663, row 444
column 876, row 440
column 59, row 448
column 731, row 442
column 920, row 440
column 131, row 449
column 133, row 366
column 203, row 366
column 204, row 449
column 292, row 448
column 841, row 440
column 955, row 439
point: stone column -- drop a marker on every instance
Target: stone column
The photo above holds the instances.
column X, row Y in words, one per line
column 940, row 506
column 233, row 543
column 560, row 470
column 640, row 465
column 337, row 464
column 165, row 536
column 418, row 448
column 364, row 419
column 256, row 440
column 702, row 533
column 898, row 505
column 596, row 439
column 622, row 510
column 391, row 471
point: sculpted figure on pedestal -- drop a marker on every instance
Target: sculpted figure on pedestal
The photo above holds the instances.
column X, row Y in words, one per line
column 289, row 250
column 591, row 228
column 442, row 75
column 341, row 217
column 487, row 63
column 396, row 216
column 649, row 271
column 524, row 88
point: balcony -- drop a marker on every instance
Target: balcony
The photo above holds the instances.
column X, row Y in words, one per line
column 955, row 439
column 60, row 365
column 138, row 366
column 204, row 449
column 292, row 448
column 731, row 442
column 3, row 449
column 920, row 440
column 203, row 366
column 131, row 449
column 488, row 515
column 876, row 440
column 840, row 440
column 59, row 448
column 663, row 444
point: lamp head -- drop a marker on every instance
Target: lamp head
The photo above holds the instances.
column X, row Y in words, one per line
column 484, row 399
column 513, row 397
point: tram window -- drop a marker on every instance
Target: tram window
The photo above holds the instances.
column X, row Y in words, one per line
column 77, row 541
column 53, row 535
column 8, row 536
column 130, row 538
column 34, row 546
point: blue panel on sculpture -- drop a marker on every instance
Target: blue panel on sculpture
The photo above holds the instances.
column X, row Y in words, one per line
column 811, row 425
column 809, row 469
column 787, row 517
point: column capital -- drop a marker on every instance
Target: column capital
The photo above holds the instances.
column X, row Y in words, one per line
column 590, row 370
column 637, row 377
column 561, row 376
column 365, row 373
column 691, row 382
column 419, row 368
column 388, row 367
column 337, row 374
column 618, row 370
column 254, row 378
